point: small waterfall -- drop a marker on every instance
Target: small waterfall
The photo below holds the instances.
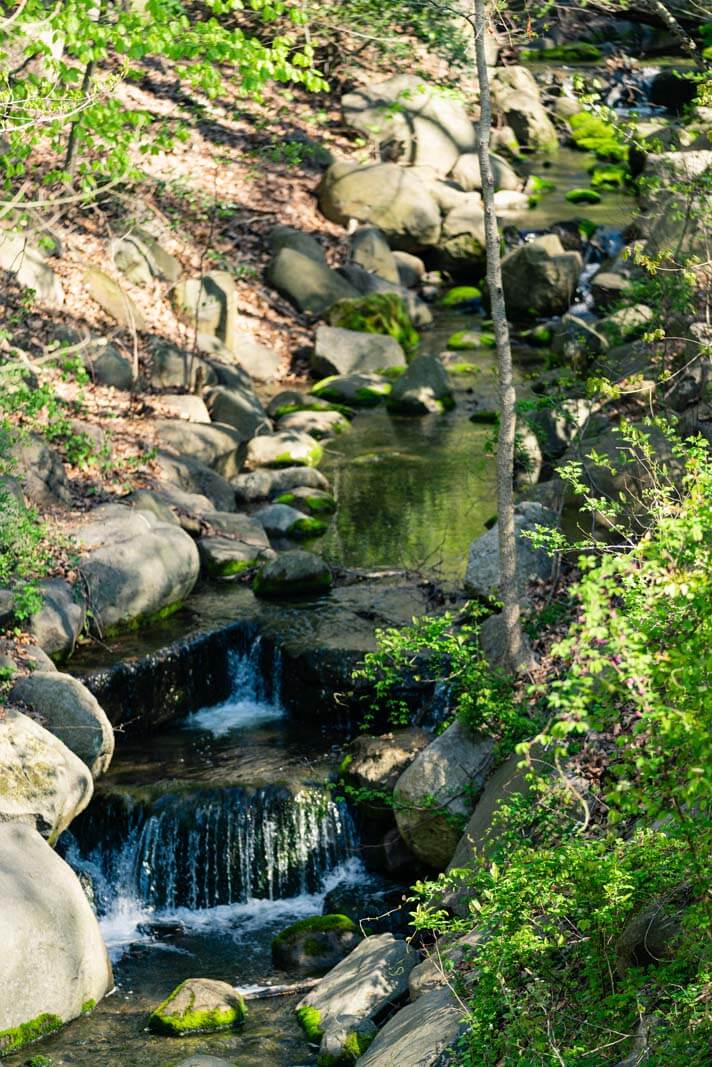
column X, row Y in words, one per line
column 255, row 693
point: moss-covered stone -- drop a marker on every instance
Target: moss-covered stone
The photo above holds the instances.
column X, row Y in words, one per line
column 308, row 527
column 383, row 313
column 316, row 944
column 357, row 390
column 314, row 924
column 295, row 573
column 392, row 372
column 459, row 295
column 16, row 1037
column 310, row 1021
column 465, row 340
column 583, row 196
column 462, row 368
column 594, row 134
column 198, row 1006
column 573, row 52
column 539, row 336
column 609, row 176
column 314, row 501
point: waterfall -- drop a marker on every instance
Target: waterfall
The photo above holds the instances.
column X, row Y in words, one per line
column 255, row 693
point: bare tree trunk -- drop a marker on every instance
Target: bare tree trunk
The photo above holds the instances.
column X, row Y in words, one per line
column 516, row 650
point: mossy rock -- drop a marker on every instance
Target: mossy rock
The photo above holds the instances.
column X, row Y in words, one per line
column 574, row 52
column 198, row 1005
column 538, row 336
column 316, row 944
column 462, row 368
column 466, row 340
column 310, row 1021
column 583, row 196
column 460, row 295
column 383, row 313
column 609, row 176
column 313, row 501
column 593, row 134
column 357, row 390
column 26, row 1033
column 293, row 574
column 346, row 1041
column 538, row 187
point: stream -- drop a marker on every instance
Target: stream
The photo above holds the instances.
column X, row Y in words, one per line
column 212, row 833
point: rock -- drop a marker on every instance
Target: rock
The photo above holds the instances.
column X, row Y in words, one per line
column 410, row 269
column 130, row 581
column 370, row 250
column 33, row 658
column 528, row 459
column 280, row 237
column 311, row 501
column 510, row 201
column 578, row 341
column 557, row 427
column 30, row 267
column 378, row 762
column 41, row 472
column 607, row 288
column 370, row 978
column 43, row 782
column 185, row 406
column 356, row 390
column 196, row 480
column 671, row 89
column 412, row 121
column 316, row 944
column 466, row 173
column 318, row 424
column 482, row 577
column 293, row 574
column 287, row 449
column 439, row 786
column 198, row 1005
column 58, row 623
column 651, row 936
column 462, row 240
column 339, row 351
column 539, row 278
column 424, row 388
column 346, row 1041
column 418, row 1034
column 225, row 557
column 107, row 366
column 289, row 400
column 384, row 195
column 280, row 520
column 309, row 285
column 159, row 504
column 260, row 362
column 141, row 258
column 627, row 323
column 265, row 483
column 54, row 966
column 112, row 299
column 513, row 78
column 383, row 313
column 205, row 1061
column 244, row 528
column 419, row 312
column 239, row 408
column 529, row 120
column 71, row 713
column 208, row 304
column 215, row 444
column 175, row 368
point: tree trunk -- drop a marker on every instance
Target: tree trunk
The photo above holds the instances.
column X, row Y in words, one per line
column 517, row 654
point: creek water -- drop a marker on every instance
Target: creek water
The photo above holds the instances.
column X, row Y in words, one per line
column 212, row 833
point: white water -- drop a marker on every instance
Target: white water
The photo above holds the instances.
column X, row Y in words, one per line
column 253, row 700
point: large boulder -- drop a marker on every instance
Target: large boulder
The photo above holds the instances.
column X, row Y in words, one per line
column 60, row 620
column 188, row 476
column 54, row 965
column 419, row 1034
column 240, row 408
column 412, row 121
column 198, row 1005
column 281, row 520
column 72, row 713
column 315, row 944
column 43, row 782
column 293, row 574
column 339, row 351
column 287, row 449
column 30, row 267
column 370, row 250
column 310, row 285
column 266, row 483
column 376, row 763
column 438, row 789
column 171, row 367
column 356, row 390
column 482, row 576
column 107, row 366
column 280, row 237
column 387, row 196
column 462, row 241
column 539, row 278
column 139, row 578
column 371, row 977
column 227, row 557
column 215, row 444
column 112, row 299
column 529, row 119
column 423, row 389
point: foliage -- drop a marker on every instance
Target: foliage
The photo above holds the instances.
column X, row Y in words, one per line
column 438, row 650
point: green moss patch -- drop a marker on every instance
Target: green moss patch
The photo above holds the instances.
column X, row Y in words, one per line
column 310, row 1021
column 575, row 52
column 538, row 336
column 459, row 295
column 229, row 568
column 192, row 1020
column 315, row 924
column 26, row 1033
column 466, row 340
column 583, row 196
column 355, row 1046
column 393, row 372
column 609, row 176
column 308, row 527
column 594, row 134
column 286, row 459
column 383, row 313
column 462, row 368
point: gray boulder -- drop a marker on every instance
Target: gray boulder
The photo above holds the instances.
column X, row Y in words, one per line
column 466, row 173
column 482, row 576
column 529, row 119
column 185, row 406
column 319, row 424
column 462, row 240
column 281, row 520
column 370, row 250
column 136, row 579
column 347, row 1040
column 439, row 787
column 371, row 977
column 280, row 237
column 43, row 782
column 54, row 965
column 608, row 287
column 287, row 449
column 293, row 574
column 208, row 304
column 227, row 557
column 413, row 122
column 387, row 196
column 366, row 283
column 265, row 483
column 260, row 362
column 419, row 1034
column 410, row 269
column 58, row 623
column 240, row 408
column 171, row 367
column 141, row 258
column 107, row 366
column 30, row 267
column 308, row 284
column 41, row 471
column 355, row 390
column 423, row 389
column 578, row 341
column 315, row 944
column 215, row 444
column 113, row 300
column 71, row 713
column 378, row 762
column 540, row 278
column 339, row 351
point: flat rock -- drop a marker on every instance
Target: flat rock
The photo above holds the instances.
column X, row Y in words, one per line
column 112, row 299
column 287, row 449
column 295, row 573
column 418, row 1034
column 310, row 285
column 318, row 424
column 339, row 351
column 266, row 483
column 240, row 408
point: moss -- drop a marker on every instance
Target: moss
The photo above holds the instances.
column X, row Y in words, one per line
column 593, row 134
column 312, row 947
column 462, row 368
column 539, row 336
column 465, row 340
column 372, row 394
column 366, row 396
column 310, row 1021
column 308, row 527
column 583, row 196
column 26, row 1033
column 88, row 1006
column 587, row 228
column 285, row 498
column 354, row 1046
column 393, row 372
column 40, row 1061
column 230, row 568
column 286, row 459
column 318, row 924
column 383, row 313
column 459, row 295
column 143, row 620
column 345, row 763
column 609, row 175
column 191, row 1020
column 575, row 52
